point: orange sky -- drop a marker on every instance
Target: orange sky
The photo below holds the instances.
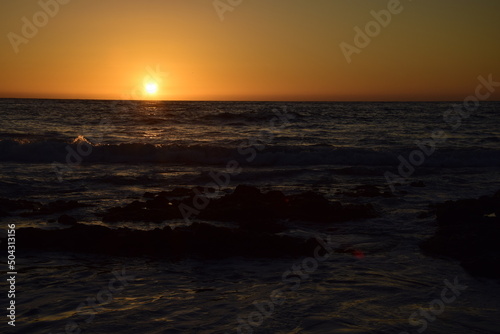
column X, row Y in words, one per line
column 262, row 50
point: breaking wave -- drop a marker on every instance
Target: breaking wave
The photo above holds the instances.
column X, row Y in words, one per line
column 82, row 151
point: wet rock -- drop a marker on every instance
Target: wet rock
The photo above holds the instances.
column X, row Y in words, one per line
column 468, row 230
column 246, row 205
column 54, row 207
column 263, row 226
column 417, row 184
column 310, row 206
column 9, row 205
column 148, row 194
column 146, row 215
column 159, row 203
column 67, row 220
column 275, row 198
column 203, row 290
column 356, row 211
column 156, row 210
column 425, row 214
column 197, row 240
column 461, row 211
column 175, row 193
column 247, row 193
column 367, row 191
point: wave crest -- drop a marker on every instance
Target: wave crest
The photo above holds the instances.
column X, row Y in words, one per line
column 83, row 150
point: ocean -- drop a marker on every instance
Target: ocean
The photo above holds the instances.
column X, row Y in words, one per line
column 108, row 154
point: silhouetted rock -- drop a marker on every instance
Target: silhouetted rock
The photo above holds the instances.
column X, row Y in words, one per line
column 263, row 226
column 198, row 240
column 356, row 211
column 66, row 220
column 425, row 214
column 463, row 211
column 247, row 193
column 245, row 205
column 16, row 205
column 367, row 191
column 159, row 203
column 148, row 194
column 310, row 206
column 275, row 198
column 175, row 193
column 54, row 207
column 469, row 231
column 417, row 184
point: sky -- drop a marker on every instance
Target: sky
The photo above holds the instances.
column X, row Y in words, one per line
column 281, row 50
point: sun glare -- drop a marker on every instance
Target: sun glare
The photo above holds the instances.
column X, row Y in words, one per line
column 151, row 88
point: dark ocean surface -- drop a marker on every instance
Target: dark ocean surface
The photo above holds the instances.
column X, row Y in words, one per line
column 109, row 153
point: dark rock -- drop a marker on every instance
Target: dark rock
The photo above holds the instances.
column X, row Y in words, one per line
column 275, row 197
column 176, row 193
column 245, row 205
column 310, row 206
column 417, row 184
column 203, row 290
column 67, row 220
column 461, row 211
column 148, row 195
column 184, row 192
column 198, row 240
column 156, row 210
column 54, row 207
column 469, row 231
column 425, row 214
column 367, row 191
column 158, row 203
column 356, row 211
column 135, row 205
column 247, row 193
column 263, row 226
column 16, row 205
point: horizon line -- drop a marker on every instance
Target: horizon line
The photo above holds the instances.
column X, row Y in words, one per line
column 276, row 101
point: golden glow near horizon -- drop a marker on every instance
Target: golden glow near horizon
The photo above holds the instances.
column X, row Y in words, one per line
column 257, row 50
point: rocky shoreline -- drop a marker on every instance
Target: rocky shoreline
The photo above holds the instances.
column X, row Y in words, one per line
column 468, row 230
column 256, row 219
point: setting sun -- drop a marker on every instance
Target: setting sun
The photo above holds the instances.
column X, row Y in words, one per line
column 274, row 166
column 151, row 88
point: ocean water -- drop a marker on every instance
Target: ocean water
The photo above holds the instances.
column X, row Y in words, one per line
column 109, row 153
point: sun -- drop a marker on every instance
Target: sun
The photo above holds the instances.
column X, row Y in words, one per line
column 151, row 88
